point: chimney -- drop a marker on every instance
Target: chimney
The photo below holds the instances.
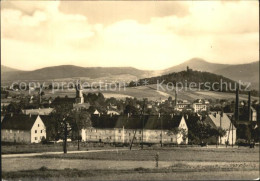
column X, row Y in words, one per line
column 127, row 114
column 159, row 115
column 171, row 115
column 249, row 106
column 236, row 106
column 12, row 114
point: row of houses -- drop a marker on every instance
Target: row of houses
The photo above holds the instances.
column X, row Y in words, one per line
column 118, row 128
column 146, row 129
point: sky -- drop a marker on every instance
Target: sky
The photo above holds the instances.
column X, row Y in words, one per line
column 149, row 35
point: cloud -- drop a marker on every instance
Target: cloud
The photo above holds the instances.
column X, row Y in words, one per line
column 111, row 12
column 145, row 35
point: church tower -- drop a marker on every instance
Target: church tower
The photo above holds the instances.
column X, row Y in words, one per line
column 79, row 94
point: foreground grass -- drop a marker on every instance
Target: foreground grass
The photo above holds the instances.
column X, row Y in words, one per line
column 38, row 148
column 170, row 154
column 44, row 172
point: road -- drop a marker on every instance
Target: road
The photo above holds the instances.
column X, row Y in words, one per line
column 51, row 153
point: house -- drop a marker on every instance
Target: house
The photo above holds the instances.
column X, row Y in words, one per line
column 218, row 119
column 124, row 128
column 199, row 107
column 181, row 106
column 40, row 111
column 253, row 115
column 112, row 112
column 22, row 128
column 96, row 112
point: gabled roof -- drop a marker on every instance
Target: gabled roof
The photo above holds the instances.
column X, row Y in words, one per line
column 63, row 100
column 46, row 119
column 18, row 122
column 192, row 120
column 135, row 121
column 219, row 121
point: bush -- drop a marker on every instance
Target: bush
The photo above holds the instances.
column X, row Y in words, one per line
column 242, row 142
column 43, row 168
column 43, row 140
column 141, row 169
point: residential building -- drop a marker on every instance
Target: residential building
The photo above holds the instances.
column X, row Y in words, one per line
column 253, row 114
column 124, row 128
column 181, row 106
column 218, row 119
column 40, row 111
column 199, row 107
column 112, row 112
column 23, row 128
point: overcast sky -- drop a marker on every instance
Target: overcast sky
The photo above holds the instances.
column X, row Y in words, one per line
column 146, row 35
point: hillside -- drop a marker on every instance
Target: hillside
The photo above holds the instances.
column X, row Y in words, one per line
column 245, row 72
column 195, row 64
column 70, row 71
column 5, row 69
column 190, row 78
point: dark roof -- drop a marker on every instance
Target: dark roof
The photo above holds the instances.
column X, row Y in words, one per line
column 63, row 100
column 135, row 121
column 191, row 121
column 18, row 122
column 46, row 119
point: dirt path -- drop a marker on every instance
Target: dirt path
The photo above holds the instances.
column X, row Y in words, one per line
column 54, row 153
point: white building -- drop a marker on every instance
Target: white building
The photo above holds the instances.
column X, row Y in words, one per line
column 22, row 128
column 149, row 129
column 199, row 107
column 40, row 111
column 216, row 119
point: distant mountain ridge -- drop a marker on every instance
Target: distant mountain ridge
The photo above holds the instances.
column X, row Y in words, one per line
column 245, row 72
column 70, row 71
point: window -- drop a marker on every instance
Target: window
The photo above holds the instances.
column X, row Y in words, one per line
column 119, row 137
column 140, row 138
column 38, row 125
column 110, row 137
column 35, row 131
column 119, row 131
column 41, row 131
column 35, row 138
column 140, row 132
column 90, row 137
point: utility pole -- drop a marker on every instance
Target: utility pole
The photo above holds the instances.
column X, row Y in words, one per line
column 236, row 111
column 65, row 136
column 77, row 122
column 249, row 106
column 161, row 128
column 232, row 135
column 142, row 117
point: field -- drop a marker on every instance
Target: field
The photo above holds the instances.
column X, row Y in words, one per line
column 151, row 92
column 174, row 163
